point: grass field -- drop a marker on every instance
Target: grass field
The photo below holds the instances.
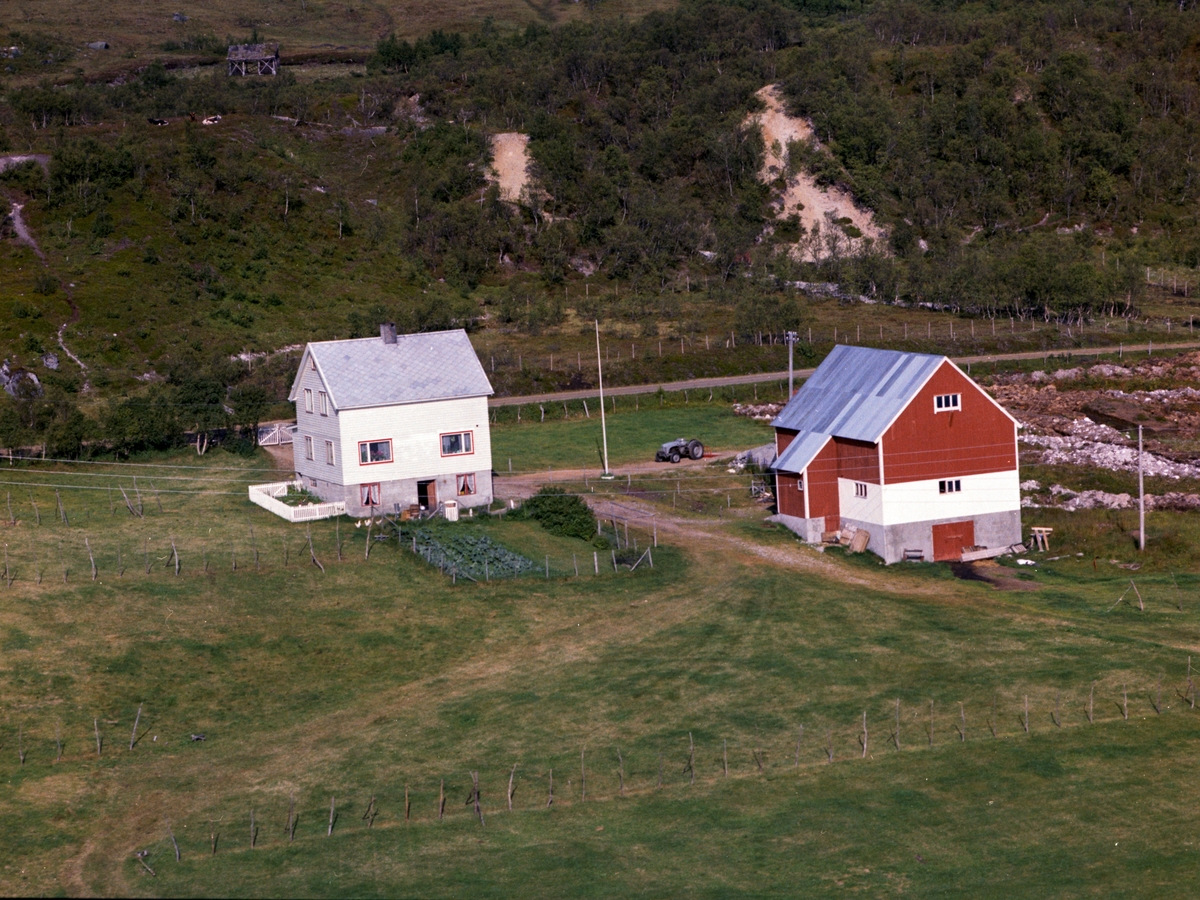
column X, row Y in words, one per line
column 378, row 678
column 634, row 432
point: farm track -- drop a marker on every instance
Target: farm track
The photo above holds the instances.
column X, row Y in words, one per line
column 800, row 374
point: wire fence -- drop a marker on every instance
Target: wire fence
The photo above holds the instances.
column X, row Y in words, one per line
column 904, row 723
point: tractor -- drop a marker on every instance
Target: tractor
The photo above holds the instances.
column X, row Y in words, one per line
column 680, row 448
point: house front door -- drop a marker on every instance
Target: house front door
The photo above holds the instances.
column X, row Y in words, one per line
column 427, row 494
column 949, row 540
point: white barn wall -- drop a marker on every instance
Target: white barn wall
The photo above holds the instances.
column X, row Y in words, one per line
column 866, row 509
column 919, row 501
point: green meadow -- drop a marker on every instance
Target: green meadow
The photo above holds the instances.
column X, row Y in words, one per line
column 703, row 720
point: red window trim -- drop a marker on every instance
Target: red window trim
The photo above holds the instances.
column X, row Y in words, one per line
column 473, row 482
column 470, row 452
column 382, row 462
column 378, row 490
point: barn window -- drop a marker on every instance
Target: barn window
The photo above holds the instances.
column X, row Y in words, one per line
column 457, row 443
column 466, row 485
column 950, row 486
column 324, row 397
column 308, row 446
column 860, row 489
column 370, row 452
column 947, row 402
column 308, row 400
column 369, row 494
column 329, row 453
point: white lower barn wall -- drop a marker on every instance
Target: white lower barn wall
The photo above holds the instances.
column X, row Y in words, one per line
column 904, row 515
column 920, row 501
column 1001, row 529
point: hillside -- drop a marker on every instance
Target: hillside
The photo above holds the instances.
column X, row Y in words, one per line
column 1020, row 163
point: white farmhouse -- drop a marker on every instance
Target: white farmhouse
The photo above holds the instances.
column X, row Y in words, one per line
column 385, row 423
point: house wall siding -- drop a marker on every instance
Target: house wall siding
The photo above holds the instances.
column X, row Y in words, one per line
column 923, row 444
column 415, row 430
column 321, row 429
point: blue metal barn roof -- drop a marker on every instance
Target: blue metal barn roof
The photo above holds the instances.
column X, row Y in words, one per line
column 856, row 393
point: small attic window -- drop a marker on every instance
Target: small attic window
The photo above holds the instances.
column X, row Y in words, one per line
column 947, row 402
column 312, row 364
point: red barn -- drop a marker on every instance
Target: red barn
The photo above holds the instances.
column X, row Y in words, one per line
column 903, row 445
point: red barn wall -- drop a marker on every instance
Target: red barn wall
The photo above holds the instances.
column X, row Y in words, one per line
column 822, row 487
column 857, row 460
column 789, row 494
column 783, row 437
column 923, row 444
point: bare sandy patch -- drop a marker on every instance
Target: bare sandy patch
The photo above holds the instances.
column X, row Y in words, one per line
column 510, row 164
column 818, row 208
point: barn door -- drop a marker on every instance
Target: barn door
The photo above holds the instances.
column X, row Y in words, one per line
column 949, row 540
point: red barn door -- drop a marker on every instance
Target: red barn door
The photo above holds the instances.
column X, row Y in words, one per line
column 949, row 540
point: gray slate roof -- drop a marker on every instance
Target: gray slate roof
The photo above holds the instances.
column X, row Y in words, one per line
column 365, row 372
column 856, row 393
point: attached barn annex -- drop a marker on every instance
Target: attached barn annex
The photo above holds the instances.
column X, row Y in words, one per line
column 904, row 445
column 395, row 421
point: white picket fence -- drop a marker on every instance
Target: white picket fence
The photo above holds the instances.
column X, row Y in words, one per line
column 264, row 495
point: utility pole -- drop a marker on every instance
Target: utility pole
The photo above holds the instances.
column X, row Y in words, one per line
column 1141, row 497
column 603, row 424
column 790, row 337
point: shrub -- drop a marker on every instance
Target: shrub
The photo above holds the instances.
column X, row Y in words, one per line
column 561, row 513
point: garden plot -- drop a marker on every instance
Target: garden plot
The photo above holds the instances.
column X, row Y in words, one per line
column 476, row 556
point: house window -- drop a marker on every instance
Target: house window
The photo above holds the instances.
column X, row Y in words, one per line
column 371, row 452
column 324, row 403
column 457, row 443
column 308, row 446
column 466, row 485
column 950, row 486
column 947, row 402
column 312, row 364
column 369, row 494
column 860, row 489
column 329, row 453
column 308, row 400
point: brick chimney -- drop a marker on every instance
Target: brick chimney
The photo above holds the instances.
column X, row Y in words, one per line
column 387, row 331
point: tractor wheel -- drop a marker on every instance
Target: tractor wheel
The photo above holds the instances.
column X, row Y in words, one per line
column 696, row 450
column 674, row 456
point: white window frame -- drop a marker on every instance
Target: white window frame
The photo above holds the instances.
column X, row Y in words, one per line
column 947, row 403
column 309, row 453
column 860, row 489
column 364, row 450
column 308, row 404
column 329, row 453
column 312, row 364
column 324, row 398
column 950, row 486
column 466, row 441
